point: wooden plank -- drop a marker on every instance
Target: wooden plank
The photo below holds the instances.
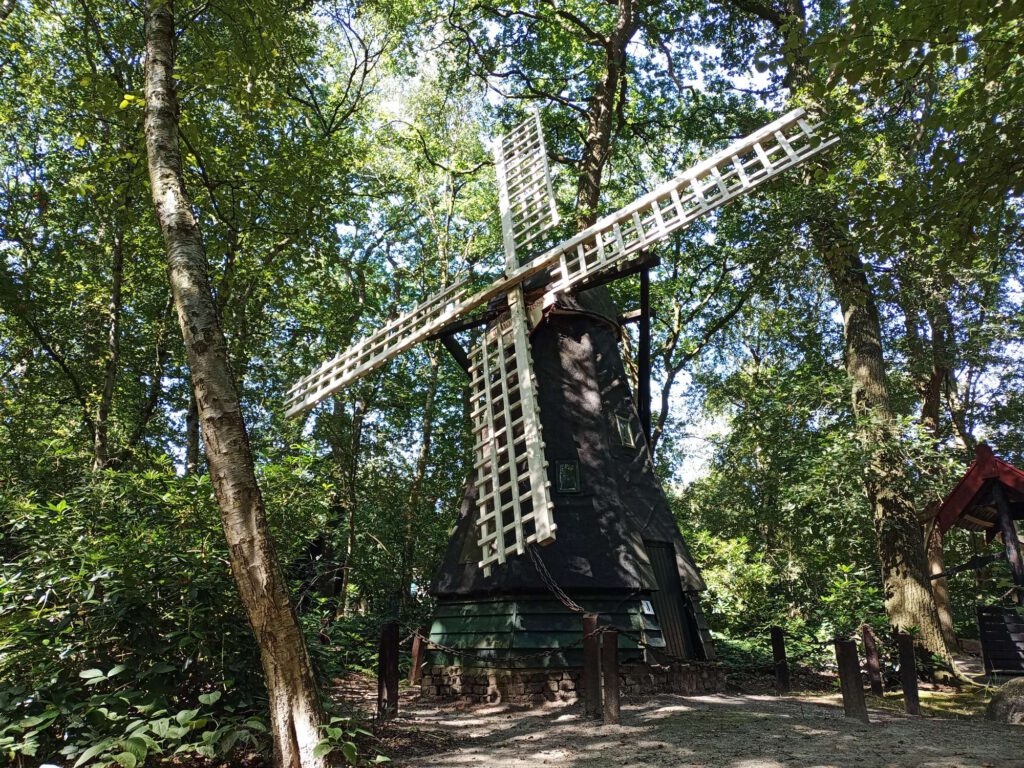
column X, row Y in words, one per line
column 387, row 671
column 643, row 363
column 591, row 677
column 779, row 657
column 419, row 655
column 610, row 675
column 850, row 684
column 871, row 660
column 908, row 674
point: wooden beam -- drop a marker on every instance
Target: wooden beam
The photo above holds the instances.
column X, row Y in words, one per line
column 974, row 563
column 457, row 326
column 591, row 667
column 387, row 671
column 978, row 521
column 456, row 351
column 643, row 375
column 610, row 675
column 1010, row 539
column 871, row 660
column 908, row 673
column 849, row 681
column 781, row 664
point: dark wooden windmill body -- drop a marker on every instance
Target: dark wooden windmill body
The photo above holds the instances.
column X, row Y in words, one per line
column 625, row 559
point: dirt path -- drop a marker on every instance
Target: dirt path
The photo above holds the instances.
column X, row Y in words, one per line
column 722, row 731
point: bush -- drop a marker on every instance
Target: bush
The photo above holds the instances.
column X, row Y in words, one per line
column 121, row 634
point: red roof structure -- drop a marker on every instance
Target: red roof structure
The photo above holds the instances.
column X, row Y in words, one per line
column 970, row 504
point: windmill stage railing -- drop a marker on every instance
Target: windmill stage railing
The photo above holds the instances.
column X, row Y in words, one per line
column 611, row 243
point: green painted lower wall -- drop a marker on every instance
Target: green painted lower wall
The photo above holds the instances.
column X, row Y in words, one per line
column 534, row 632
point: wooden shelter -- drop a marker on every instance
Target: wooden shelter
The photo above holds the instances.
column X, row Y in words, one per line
column 990, row 498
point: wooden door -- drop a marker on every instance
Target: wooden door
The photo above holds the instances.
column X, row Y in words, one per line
column 670, row 605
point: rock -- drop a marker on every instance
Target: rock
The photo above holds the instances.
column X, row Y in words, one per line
column 1007, row 705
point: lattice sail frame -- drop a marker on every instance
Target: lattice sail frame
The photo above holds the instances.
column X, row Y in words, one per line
column 525, row 197
column 609, row 244
column 513, row 494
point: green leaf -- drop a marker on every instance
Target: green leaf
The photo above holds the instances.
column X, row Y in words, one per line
column 92, row 751
column 350, row 751
column 90, row 674
column 116, row 670
column 186, row 716
column 322, row 749
column 210, row 698
column 137, row 747
column 161, row 726
column 126, row 760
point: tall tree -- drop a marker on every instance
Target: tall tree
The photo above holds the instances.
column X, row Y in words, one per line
column 908, row 596
column 295, row 708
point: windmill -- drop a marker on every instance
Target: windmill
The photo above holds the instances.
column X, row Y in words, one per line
column 511, row 504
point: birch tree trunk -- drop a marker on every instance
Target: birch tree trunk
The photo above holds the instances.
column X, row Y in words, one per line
column 295, row 711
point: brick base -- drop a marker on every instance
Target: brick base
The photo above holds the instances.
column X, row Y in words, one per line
column 539, row 686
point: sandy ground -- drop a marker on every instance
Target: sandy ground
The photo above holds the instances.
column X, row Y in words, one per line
column 721, row 731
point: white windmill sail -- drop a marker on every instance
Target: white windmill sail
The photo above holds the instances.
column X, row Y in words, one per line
column 513, row 502
column 525, row 197
column 621, row 237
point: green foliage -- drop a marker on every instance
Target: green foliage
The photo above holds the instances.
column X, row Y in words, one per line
column 336, row 161
column 122, row 635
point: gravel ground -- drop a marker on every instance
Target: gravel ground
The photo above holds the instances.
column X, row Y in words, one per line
column 721, row 731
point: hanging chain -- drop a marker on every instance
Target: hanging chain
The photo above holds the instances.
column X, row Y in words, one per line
column 550, row 582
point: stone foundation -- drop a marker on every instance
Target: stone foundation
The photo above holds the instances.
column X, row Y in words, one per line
column 539, row 686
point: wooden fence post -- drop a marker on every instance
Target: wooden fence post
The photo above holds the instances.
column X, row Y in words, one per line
column 387, row 671
column 871, row 661
column 419, row 652
column 908, row 674
column 781, row 665
column 849, row 680
column 591, row 666
column 610, row 675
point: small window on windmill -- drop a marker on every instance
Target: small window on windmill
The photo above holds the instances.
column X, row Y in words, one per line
column 647, row 607
column 625, row 429
column 567, row 476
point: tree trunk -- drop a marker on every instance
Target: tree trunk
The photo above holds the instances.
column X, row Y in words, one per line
column 908, row 595
column 419, row 478
column 345, row 447
column 597, row 145
column 940, row 589
column 101, row 442
column 295, row 711
column 192, row 436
